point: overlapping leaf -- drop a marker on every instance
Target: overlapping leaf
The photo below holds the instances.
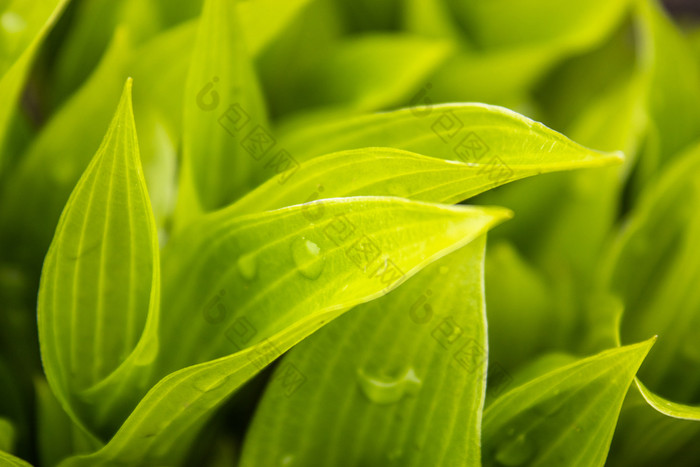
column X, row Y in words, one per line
column 673, row 95
column 393, row 172
column 373, row 71
column 31, row 202
column 225, row 123
column 99, row 291
column 25, row 24
column 474, row 133
column 654, row 267
column 320, row 266
column 398, row 381
column 564, row 417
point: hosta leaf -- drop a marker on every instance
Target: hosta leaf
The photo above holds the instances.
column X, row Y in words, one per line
column 485, row 76
column 430, row 19
column 474, row 133
column 526, row 36
column 386, row 172
column 263, row 20
column 99, row 286
column 665, row 440
column 92, row 26
column 667, row 407
column 397, row 381
column 673, row 93
column 31, row 202
column 58, row 436
column 564, row 417
column 654, row 268
column 25, row 24
column 7, row 435
column 319, row 244
column 548, row 23
column 520, row 309
column 264, row 282
column 11, row 461
column 225, row 125
column 373, row 71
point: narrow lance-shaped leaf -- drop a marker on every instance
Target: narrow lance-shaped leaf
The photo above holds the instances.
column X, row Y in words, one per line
column 492, row 137
column 7, row 435
column 25, row 24
column 673, row 95
column 373, row 71
column 654, row 267
column 58, row 437
column 236, row 269
column 530, row 37
column 388, row 172
column 99, row 286
column 545, row 23
column 225, row 124
column 520, row 308
column 564, row 417
column 397, row 381
column 9, row 460
column 268, row 281
column 32, row 200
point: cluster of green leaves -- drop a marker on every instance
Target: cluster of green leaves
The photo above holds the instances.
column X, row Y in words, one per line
column 236, row 259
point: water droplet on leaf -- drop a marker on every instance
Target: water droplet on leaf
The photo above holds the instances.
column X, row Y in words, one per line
column 207, row 383
column 248, row 266
column 387, row 390
column 515, row 451
column 12, row 22
column 307, row 257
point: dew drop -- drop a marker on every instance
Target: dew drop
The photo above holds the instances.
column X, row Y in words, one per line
column 515, row 451
column 248, row 266
column 207, row 382
column 307, row 257
column 444, row 270
column 287, row 460
column 12, row 22
column 387, row 390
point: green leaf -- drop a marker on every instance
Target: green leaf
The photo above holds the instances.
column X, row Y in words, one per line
column 673, row 96
column 32, row 200
column 397, row 381
column 529, row 37
column 520, row 309
column 546, row 23
column 264, row 282
column 57, row 436
column 389, row 172
column 99, row 293
column 564, row 417
column 373, row 71
column 665, row 440
column 263, row 20
column 472, row 133
column 25, row 24
column 92, row 26
column 654, row 267
column 225, row 122
column 667, row 407
column 7, row 435
column 11, row 461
